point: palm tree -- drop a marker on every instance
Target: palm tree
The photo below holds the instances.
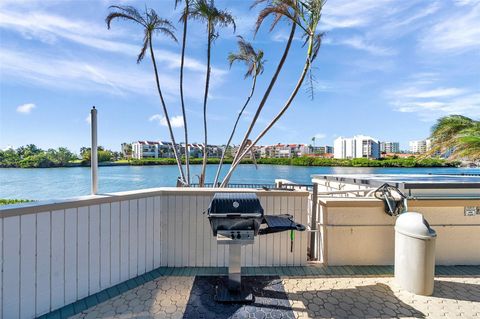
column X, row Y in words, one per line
column 277, row 9
column 152, row 24
column 306, row 15
column 457, row 134
column 206, row 11
column 254, row 62
column 184, row 19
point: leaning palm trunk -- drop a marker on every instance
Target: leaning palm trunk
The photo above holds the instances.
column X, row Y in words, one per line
column 205, row 98
column 165, row 111
column 235, row 127
column 267, row 92
column 182, row 61
column 277, row 117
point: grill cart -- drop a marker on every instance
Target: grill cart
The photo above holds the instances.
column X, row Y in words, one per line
column 235, row 219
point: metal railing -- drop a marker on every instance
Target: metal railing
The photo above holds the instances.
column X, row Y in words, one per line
column 239, row 185
column 308, row 187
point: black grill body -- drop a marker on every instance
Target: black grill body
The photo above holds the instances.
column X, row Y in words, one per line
column 235, row 211
column 235, row 219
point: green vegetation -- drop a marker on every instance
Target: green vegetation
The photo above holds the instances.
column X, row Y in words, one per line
column 103, row 155
column 13, row 201
column 316, row 161
column 30, row 156
column 457, row 136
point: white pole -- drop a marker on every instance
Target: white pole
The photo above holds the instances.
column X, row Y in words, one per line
column 94, row 156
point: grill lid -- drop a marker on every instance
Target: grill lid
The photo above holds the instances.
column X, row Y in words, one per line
column 235, row 205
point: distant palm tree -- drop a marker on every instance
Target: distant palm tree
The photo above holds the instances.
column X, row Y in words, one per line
column 457, row 134
column 278, row 9
column 152, row 24
column 306, row 14
column 254, row 62
column 184, row 19
column 205, row 10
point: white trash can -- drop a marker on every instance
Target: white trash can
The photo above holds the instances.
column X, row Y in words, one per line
column 414, row 253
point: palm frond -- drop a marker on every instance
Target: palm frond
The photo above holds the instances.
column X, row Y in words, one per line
column 206, row 11
column 125, row 12
column 166, row 31
column 247, row 54
column 151, row 22
column 141, row 55
column 456, row 135
column 317, row 42
column 119, row 15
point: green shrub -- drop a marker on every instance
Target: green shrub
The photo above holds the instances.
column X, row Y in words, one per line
column 13, row 201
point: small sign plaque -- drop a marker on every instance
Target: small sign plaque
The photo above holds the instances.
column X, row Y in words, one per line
column 472, row 211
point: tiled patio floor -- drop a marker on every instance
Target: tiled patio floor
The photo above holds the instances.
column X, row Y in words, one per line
column 332, row 296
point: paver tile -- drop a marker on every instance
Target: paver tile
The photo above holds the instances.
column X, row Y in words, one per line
column 293, row 297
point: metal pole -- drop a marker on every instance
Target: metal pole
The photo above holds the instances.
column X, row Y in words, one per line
column 313, row 226
column 94, row 151
column 235, row 267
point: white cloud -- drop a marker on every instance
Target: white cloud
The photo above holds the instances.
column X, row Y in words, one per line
column 88, row 119
column 362, row 44
column 466, row 2
column 283, row 35
column 50, row 28
column 25, row 108
column 413, row 92
column 94, row 76
column 431, row 102
column 76, row 74
column 350, row 14
column 456, row 33
column 175, row 121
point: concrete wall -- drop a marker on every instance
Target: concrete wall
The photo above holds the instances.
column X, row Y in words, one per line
column 356, row 231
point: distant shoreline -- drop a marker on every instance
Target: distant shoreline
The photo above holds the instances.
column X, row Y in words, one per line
column 298, row 161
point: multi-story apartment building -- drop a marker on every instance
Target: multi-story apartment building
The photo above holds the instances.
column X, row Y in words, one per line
column 321, row 149
column 420, row 147
column 356, row 147
column 284, row 150
column 389, row 147
column 150, row 149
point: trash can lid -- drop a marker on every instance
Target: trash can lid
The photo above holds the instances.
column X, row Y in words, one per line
column 414, row 225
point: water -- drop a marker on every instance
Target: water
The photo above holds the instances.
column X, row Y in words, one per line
column 54, row 183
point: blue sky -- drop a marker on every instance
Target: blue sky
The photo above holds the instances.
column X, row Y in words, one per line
column 387, row 69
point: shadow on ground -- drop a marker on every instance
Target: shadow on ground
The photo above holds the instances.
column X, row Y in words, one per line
column 372, row 301
column 270, row 300
column 456, row 290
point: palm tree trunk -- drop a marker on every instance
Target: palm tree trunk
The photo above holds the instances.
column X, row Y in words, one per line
column 267, row 92
column 205, row 98
column 187, row 152
column 235, row 127
column 277, row 117
column 172, row 137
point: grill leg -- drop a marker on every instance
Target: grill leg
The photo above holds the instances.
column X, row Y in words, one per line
column 234, row 268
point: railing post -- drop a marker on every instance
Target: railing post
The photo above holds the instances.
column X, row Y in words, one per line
column 313, row 226
column 94, row 151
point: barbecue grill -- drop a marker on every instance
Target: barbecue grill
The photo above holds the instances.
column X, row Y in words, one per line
column 235, row 219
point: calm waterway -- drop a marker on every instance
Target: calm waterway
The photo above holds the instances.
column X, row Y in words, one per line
column 54, row 183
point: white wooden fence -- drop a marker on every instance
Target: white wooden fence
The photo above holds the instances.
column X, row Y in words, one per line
column 55, row 253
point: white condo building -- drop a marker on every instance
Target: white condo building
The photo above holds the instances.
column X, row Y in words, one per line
column 149, row 149
column 356, row 147
column 420, row 147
